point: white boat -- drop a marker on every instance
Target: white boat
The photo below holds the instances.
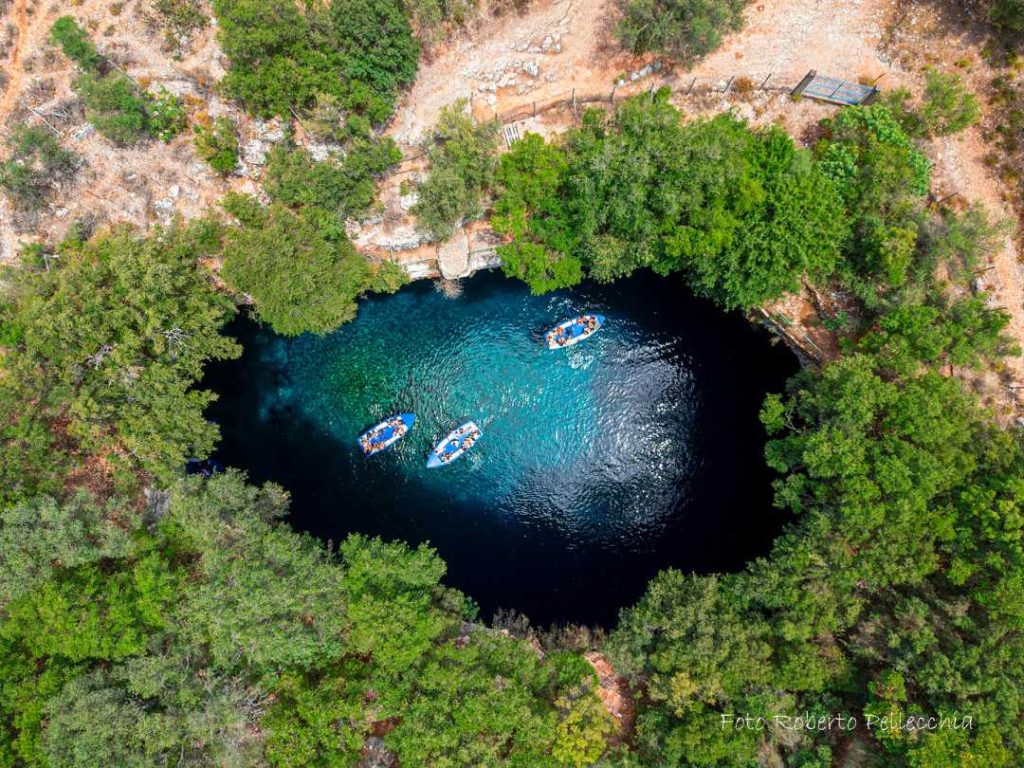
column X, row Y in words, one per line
column 454, row 446
column 573, row 331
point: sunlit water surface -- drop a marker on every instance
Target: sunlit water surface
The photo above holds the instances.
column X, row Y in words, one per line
column 600, row 464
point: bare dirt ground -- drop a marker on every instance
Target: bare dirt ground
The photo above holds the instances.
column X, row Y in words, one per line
column 616, row 696
column 13, row 69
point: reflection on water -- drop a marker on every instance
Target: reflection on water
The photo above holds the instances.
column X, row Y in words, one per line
column 600, row 464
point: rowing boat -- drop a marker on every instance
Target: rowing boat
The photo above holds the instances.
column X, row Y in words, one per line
column 382, row 436
column 573, row 331
column 454, row 446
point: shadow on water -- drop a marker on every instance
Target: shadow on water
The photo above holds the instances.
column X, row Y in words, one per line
column 692, row 492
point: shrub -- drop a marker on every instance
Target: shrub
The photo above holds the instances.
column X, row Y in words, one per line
column 166, row 115
column 685, row 29
column 115, row 105
column 75, row 43
column 344, row 186
column 35, row 162
column 1007, row 15
column 327, row 119
column 948, row 106
column 281, row 58
column 217, row 144
column 179, row 18
column 430, row 15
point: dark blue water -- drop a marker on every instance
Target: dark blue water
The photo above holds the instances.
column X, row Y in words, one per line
column 601, row 464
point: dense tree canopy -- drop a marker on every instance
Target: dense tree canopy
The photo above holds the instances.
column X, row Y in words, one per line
column 283, row 56
column 110, row 371
column 293, row 257
column 684, row 29
column 178, row 645
column 744, row 213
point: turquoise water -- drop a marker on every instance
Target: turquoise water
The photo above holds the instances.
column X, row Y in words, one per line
column 599, row 464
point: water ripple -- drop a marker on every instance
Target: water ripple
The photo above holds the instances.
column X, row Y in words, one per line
column 600, row 450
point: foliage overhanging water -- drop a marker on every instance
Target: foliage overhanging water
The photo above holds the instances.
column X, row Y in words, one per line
column 601, row 464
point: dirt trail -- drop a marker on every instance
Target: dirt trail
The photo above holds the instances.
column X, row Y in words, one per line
column 14, row 70
column 616, row 696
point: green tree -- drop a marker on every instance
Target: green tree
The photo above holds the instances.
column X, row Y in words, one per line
column 109, row 345
column 280, row 606
column 462, row 165
column 744, row 213
column 474, row 703
column 1007, row 15
column 582, row 734
column 344, row 186
column 883, row 178
column 531, row 178
column 298, row 266
column 40, row 536
column 758, row 215
column 966, row 333
column 948, row 106
column 284, row 57
column 684, row 29
column 318, row 719
column 697, row 649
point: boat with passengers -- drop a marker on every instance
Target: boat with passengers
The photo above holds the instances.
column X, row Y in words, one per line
column 384, row 435
column 573, row 331
column 454, row 446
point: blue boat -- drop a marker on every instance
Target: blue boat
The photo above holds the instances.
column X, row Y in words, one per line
column 573, row 331
column 454, row 446
column 382, row 436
